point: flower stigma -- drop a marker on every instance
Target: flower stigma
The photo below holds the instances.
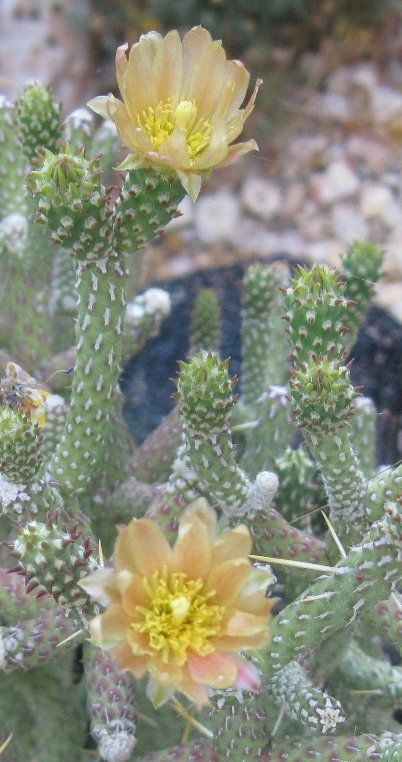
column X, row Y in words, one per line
column 179, row 617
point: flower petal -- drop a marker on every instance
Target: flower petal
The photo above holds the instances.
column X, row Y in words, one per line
column 204, row 63
column 248, row 676
column 134, row 595
column 99, row 105
column 149, row 548
column 196, row 692
column 139, row 78
column 191, row 183
column 227, row 580
column 137, row 665
column 216, row 669
column 121, row 66
column 192, row 551
column 235, row 543
column 204, row 512
column 168, row 69
column 238, row 150
column 99, row 586
column 242, row 624
column 110, row 628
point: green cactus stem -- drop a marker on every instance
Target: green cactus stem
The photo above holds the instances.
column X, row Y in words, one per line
column 38, row 119
column 15, row 602
column 32, row 642
column 367, row 575
column 206, row 322
column 323, row 404
column 276, row 538
column 273, row 432
column 358, row 672
column 315, row 314
column 361, row 267
column 55, row 559
column 384, row 620
column 70, row 199
column 257, row 295
column 56, row 413
column 12, row 190
column 241, row 727
column 194, row 751
column 363, row 434
column 204, row 393
column 300, row 488
column 20, row 446
column 292, row 690
column 153, row 460
column 130, row 498
column 111, row 705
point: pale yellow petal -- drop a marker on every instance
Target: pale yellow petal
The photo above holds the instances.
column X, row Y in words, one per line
column 236, row 151
column 134, row 137
column 227, row 580
column 204, row 512
column 242, row 624
column 195, row 692
column 233, row 644
column 203, row 70
column 192, row 551
column 134, row 595
column 215, row 153
column 191, row 183
column 137, row 665
column 150, row 549
column 256, row 603
column 217, row 669
column 235, row 543
column 110, row 628
column 100, row 586
column 99, row 105
column 233, row 90
column 121, row 66
column 168, row 69
column 139, row 78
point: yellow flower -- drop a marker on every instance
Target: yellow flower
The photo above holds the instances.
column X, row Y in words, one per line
column 182, row 614
column 20, row 390
column 181, row 104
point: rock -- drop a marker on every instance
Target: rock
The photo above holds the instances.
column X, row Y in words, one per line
column 333, row 107
column 370, row 151
column 389, row 296
column 54, row 51
column 216, row 216
column 307, row 150
column 386, row 107
column 253, row 238
column 336, row 183
column 293, row 198
column 348, row 224
column 261, row 197
column 393, row 254
column 378, row 201
column 329, row 251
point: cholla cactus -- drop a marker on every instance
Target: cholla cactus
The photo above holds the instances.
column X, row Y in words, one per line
column 178, row 594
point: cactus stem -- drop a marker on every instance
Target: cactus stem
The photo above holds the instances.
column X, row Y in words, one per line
column 334, row 535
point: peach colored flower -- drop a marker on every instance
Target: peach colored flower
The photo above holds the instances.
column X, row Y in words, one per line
column 181, row 104
column 182, row 614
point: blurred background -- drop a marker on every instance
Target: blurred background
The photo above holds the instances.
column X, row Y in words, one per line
column 328, row 119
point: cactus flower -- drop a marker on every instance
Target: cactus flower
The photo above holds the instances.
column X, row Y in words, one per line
column 181, row 104
column 20, row 390
column 182, row 614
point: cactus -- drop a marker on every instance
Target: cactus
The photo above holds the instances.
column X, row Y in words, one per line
column 177, row 593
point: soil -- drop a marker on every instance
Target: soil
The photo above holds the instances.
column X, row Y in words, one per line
column 147, row 380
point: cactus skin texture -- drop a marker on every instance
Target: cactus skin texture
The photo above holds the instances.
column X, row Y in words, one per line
column 70, row 258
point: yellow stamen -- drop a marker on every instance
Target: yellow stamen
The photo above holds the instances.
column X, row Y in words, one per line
column 160, row 121
column 179, row 616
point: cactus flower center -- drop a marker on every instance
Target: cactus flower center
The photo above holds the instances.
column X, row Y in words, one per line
column 160, row 121
column 179, row 616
